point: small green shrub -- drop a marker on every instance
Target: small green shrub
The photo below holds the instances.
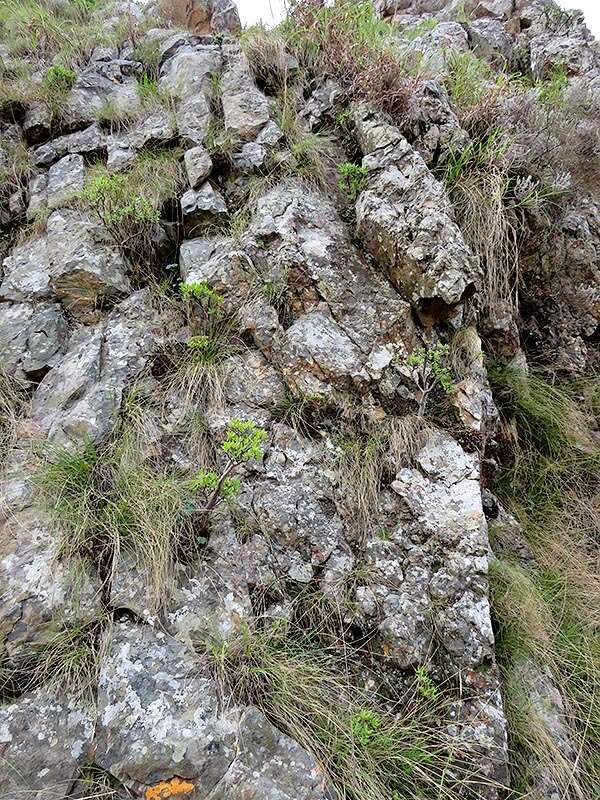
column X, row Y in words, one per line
column 365, row 725
column 429, row 368
column 203, row 292
column 352, row 179
column 130, row 203
column 552, row 90
column 425, row 685
column 59, row 80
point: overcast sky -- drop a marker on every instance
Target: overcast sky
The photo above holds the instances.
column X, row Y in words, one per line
column 271, row 11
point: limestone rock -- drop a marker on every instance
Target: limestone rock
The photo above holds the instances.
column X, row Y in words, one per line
column 85, row 266
column 404, row 220
column 201, row 208
column 65, row 180
column 245, row 108
column 82, row 395
column 33, row 338
column 39, row 593
column 45, row 738
column 198, row 166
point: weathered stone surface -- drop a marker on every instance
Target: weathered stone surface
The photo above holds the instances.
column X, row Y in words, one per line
column 65, row 180
column 434, row 47
column 213, row 16
column 245, row 108
column 404, row 220
column 82, row 396
column 488, row 38
column 100, row 86
column 188, row 72
column 198, row 166
column 89, row 141
column 269, row 764
column 442, row 492
column 85, row 266
column 301, row 242
column 158, row 713
column 33, row 338
column 40, row 595
column 431, row 123
column 37, row 122
column 294, row 508
column 26, row 272
column 203, row 207
column 44, row 739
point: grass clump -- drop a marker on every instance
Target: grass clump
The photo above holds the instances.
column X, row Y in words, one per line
column 124, row 499
column 371, row 747
column 548, row 613
column 13, row 402
column 69, row 661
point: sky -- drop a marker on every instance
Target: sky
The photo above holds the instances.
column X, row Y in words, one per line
column 271, row 11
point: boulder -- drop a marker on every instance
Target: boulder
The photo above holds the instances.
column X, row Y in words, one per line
column 33, row 339
column 45, row 739
column 198, row 166
column 245, row 107
column 201, row 208
column 404, row 220
column 65, row 180
column 86, row 269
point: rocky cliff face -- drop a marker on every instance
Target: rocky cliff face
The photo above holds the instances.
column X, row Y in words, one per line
column 267, row 310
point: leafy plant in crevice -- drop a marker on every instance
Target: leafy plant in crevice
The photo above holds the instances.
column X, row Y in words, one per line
column 371, row 746
column 429, row 369
column 123, row 499
column 130, row 204
column 243, row 442
column 198, row 368
column 352, row 179
column 549, row 612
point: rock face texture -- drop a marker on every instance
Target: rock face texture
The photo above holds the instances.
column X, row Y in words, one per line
column 246, row 425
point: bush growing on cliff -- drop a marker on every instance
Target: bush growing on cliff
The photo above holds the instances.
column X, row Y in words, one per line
column 122, row 499
column 130, row 204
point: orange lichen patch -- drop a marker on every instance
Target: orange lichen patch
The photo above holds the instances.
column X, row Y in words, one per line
column 176, row 789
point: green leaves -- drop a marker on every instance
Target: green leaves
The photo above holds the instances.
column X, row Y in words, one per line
column 365, row 725
column 209, row 480
column 433, row 360
column 352, row 179
column 243, row 441
column 203, row 292
column 59, row 79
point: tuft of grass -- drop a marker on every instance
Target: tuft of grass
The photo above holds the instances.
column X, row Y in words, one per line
column 13, row 402
column 117, row 499
column 550, row 613
column 348, row 41
column 68, row 661
column 371, row 747
column 477, row 182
